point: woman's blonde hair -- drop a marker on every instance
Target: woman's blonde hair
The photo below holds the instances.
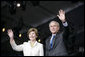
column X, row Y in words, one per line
column 32, row 29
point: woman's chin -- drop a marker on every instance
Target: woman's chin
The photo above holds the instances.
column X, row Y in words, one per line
column 32, row 39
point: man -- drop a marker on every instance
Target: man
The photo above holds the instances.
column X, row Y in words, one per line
column 54, row 45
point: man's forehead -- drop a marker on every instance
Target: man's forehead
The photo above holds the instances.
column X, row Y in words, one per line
column 54, row 23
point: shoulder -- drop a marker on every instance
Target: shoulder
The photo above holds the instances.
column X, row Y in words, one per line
column 47, row 39
column 25, row 43
column 40, row 44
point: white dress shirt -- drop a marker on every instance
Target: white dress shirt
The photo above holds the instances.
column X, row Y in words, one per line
column 65, row 24
column 36, row 50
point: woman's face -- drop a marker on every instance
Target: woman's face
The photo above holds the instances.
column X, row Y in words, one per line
column 32, row 35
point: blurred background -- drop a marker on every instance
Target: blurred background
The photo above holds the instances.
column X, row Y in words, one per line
column 22, row 15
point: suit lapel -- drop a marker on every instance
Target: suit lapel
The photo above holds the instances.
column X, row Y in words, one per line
column 48, row 43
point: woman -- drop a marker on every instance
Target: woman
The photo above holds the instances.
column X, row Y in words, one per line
column 30, row 48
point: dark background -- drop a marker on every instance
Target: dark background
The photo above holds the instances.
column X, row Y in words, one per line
column 38, row 14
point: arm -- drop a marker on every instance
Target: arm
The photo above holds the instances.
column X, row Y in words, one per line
column 12, row 41
column 61, row 16
column 68, row 30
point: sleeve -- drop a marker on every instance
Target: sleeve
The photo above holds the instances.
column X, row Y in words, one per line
column 16, row 47
column 68, row 35
column 66, row 30
column 41, row 50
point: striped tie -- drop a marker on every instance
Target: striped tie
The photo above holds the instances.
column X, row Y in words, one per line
column 51, row 42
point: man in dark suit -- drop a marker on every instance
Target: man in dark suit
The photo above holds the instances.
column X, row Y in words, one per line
column 54, row 45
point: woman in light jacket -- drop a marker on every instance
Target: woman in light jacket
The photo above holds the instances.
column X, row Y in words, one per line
column 30, row 48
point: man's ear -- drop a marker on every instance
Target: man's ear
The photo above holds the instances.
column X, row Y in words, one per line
column 58, row 28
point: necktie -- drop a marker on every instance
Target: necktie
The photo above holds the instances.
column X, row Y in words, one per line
column 51, row 41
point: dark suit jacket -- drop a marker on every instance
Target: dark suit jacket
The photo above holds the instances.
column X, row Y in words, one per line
column 59, row 48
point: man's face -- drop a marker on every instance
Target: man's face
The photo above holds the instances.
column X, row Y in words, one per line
column 54, row 28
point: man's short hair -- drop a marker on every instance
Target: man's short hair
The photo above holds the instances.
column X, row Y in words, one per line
column 54, row 22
